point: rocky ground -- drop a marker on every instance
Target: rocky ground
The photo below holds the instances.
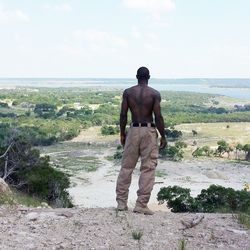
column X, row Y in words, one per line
column 104, row 228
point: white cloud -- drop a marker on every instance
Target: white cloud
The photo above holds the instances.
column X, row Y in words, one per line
column 14, row 15
column 154, row 7
column 152, row 36
column 136, row 33
column 65, row 7
column 151, row 47
column 98, row 39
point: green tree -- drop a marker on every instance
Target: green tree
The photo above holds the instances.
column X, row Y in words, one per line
column 223, row 147
column 45, row 110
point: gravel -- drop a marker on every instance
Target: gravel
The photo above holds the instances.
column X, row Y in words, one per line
column 104, row 228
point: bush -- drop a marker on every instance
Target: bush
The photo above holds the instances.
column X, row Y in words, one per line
column 26, row 171
column 109, row 130
column 214, row 199
column 119, row 152
column 174, row 153
column 198, row 152
column 173, row 134
column 45, row 110
column 3, row 105
column 203, row 151
column 48, row 184
column 177, row 198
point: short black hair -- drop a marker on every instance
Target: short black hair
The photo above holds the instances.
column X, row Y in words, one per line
column 143, row 73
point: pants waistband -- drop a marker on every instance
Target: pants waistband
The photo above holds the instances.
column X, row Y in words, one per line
column 143, row 124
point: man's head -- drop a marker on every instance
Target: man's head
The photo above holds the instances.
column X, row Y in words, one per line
column 143, row 73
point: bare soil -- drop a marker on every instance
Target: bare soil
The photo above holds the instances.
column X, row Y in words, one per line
column 104, row 228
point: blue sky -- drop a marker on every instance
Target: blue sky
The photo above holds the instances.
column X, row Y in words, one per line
column 112, row 38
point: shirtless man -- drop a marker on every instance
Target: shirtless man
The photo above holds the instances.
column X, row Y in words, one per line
column 141, row 141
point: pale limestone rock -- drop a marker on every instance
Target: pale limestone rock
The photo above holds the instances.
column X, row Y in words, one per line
column 4, row 188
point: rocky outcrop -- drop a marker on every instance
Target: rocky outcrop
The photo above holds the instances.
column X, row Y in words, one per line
column 4, row 188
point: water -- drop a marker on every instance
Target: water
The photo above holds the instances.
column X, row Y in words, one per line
column 237, row 88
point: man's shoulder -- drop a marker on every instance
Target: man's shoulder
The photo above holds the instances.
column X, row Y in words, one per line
column 155, row 92
column 152, row 91
column 129, row 89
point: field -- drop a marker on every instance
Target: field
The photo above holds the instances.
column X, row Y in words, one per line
column 210, row 133
column 92, row 188
column 66, row 125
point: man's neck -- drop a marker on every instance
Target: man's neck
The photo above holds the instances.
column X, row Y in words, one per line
column 143, row 82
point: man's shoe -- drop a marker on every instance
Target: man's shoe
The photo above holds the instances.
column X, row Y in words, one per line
column 122, row 207
column 143, row 210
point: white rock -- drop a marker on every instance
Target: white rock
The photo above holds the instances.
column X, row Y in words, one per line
column 4, row 188
column 32, row 216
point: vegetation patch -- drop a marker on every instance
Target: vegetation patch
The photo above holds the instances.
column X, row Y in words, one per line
column 22, row 167
column 109, row 130
column 244, row 219
column 214, row 199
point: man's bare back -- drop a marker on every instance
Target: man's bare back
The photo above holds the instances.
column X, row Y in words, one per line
column 141, row 99
column 143, row 102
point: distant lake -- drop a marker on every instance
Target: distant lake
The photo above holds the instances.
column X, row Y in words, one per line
column 237, row 88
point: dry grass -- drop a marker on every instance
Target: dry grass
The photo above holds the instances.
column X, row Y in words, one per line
column 210, row 133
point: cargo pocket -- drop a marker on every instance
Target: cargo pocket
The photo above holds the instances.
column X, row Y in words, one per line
column 153, row 158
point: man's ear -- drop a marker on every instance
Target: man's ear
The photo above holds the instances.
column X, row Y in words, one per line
column 149, row 77
column 137, row 76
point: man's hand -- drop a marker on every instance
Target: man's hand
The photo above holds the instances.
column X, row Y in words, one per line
column 123, row 139
column 163, row 143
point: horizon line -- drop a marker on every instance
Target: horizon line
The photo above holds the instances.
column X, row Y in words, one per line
column 129, row 78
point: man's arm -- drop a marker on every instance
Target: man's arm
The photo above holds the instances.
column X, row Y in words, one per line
column 123, row 117
column 159, row 120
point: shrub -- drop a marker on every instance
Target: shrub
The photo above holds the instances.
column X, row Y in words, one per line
column 109, row 130
column 214, row 199
column 45, row 110
column 198, row 152
column 3, row 105
column 173, row 134
column 203, row 151
column 48, row 184
column 174, row 153
column 119, row 152
column 24, row 169
column 177, row 198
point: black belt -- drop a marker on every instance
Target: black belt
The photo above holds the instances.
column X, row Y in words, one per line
column 143, row 124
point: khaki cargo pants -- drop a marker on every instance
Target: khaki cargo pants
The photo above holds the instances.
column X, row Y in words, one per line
column 140, row 141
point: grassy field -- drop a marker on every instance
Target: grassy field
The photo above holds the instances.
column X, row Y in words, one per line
column 87, row 151
column 210, row 133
